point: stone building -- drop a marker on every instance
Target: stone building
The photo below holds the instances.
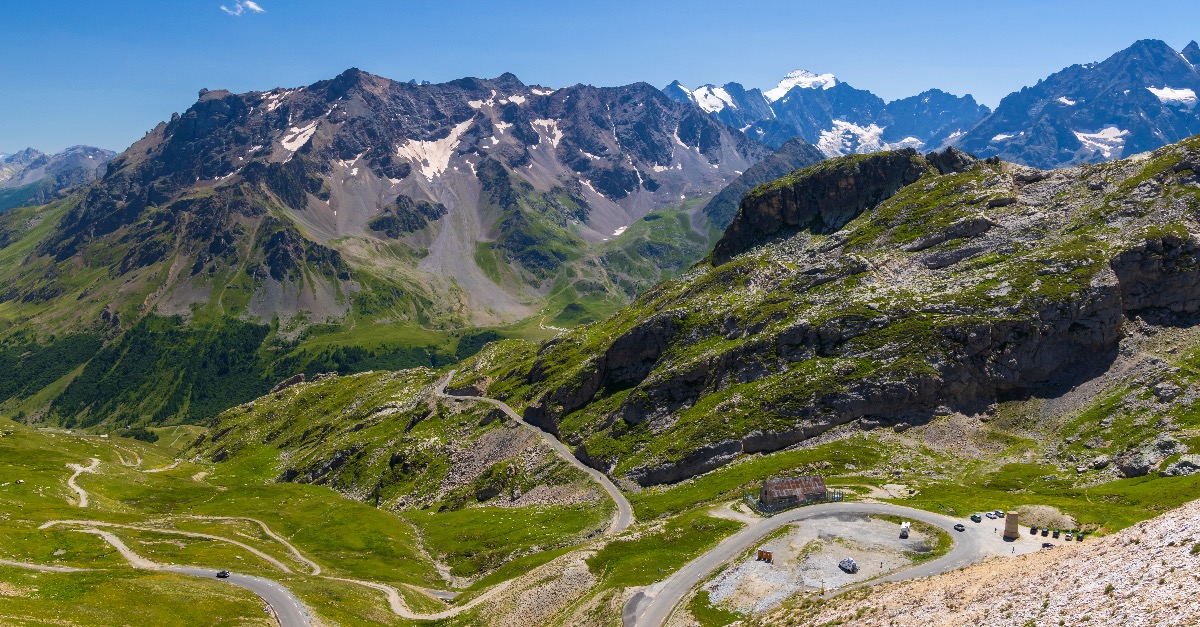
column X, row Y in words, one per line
column 789, row 491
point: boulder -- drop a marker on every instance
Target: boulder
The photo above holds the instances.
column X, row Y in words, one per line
column 1167, row 391
column 1139, row 462
column 1187, row 465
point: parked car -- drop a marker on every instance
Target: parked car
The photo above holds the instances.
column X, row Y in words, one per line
column 1047, row 545
column 848, row 565
column 999, row 513
column 976, row 518
column 1045, row 532
column 990, row 516
column 222, row 574
column 1069, row 536
column 1033, row 530
column 960, row 527
column 1056, row 533
column 1079, row 537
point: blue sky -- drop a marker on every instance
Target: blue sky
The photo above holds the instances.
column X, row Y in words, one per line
column 105, row 72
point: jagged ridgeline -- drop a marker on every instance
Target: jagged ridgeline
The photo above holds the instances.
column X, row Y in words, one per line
column 357, row 223
column 877, row 290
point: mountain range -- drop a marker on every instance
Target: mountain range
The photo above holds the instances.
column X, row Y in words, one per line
column 276, row 219
column 1139, row 99
column 30, row 177
column 361, row 223
column 836, row 117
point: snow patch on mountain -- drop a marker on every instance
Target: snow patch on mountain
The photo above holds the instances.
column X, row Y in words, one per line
column 803, row 79
column 298, row 136
column 433, row 157
column 274, row 100
column 1175, row 97
column 713, row 99
column 1066, row 101
column 847, row 137
column 907, row 142
column 548, row 130
column 999, row 137
column 1109, row 142
column 542, row 92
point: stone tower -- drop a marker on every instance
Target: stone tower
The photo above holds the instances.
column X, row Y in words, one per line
column 1011, row 524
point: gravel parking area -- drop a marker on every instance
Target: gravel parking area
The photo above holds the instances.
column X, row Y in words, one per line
column 806, row 557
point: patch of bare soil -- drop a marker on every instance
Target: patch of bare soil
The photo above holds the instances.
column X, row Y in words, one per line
column 1046, row 516
column 806, row 557
column 1144, row 575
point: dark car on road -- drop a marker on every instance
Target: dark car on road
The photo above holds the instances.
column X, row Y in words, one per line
column 1047, row 545
column 960, row 527
column 1033, row 530
column 976, row 518
column 222, row 574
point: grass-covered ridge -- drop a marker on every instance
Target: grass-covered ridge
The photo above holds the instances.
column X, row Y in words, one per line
column 784, row 338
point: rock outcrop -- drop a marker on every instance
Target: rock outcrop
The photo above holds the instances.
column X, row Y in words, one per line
column 820, row 199
column 925, row 302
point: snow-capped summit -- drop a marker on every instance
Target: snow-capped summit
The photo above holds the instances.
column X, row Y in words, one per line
column 803, row 79
column 712, row 98
column 730, row 103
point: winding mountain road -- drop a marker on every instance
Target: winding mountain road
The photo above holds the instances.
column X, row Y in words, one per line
column 79, row 470
column 652, row 607
column 624, row 515
column 287, row 608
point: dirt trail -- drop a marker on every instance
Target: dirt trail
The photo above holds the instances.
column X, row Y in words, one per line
column 394, row 598
column 172, row 466
column 624, row 514
column 271, row 560
column 400, row 608
column 137, row 458
column 287, row 609
column 135, row 560
column 80, row 469
column 43, row 568
column 313, row 566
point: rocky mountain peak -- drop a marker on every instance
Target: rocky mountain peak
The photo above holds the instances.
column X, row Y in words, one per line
column 1192, row 53
column 1134, row 101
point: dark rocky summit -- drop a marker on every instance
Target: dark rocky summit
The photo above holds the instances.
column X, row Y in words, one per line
column 824, row 198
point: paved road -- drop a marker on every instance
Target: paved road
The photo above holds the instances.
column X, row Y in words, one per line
column 287, row 608
column 651, row 607
column 624, row 515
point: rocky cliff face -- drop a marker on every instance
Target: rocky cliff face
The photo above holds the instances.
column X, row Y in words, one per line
column 793, row 155
column 820, row 199
column 973, row 281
